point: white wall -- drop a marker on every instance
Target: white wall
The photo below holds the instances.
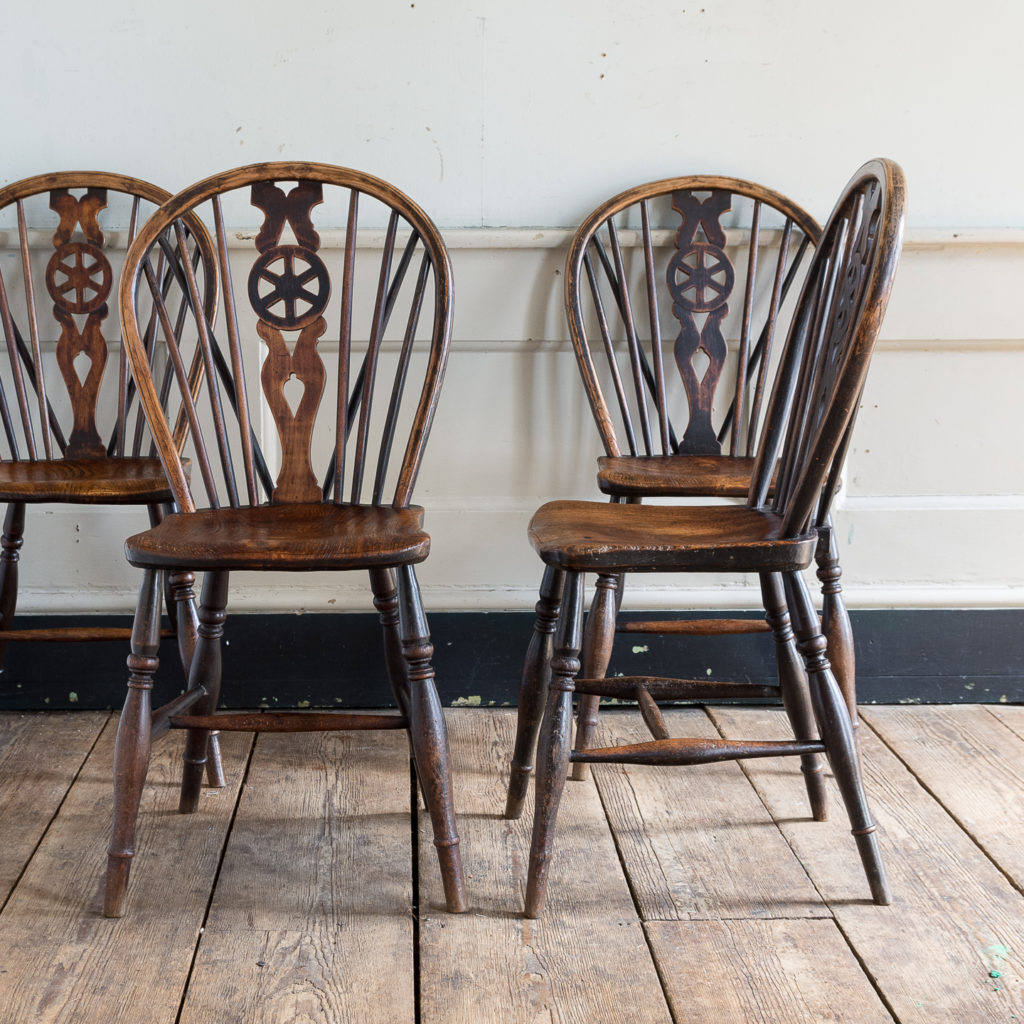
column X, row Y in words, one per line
column 502, row 116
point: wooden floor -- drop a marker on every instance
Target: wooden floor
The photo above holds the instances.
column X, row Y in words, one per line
column 308, row 891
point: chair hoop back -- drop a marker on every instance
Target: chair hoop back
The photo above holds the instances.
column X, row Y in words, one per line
column 819, row 387
column 386, row 290
column 708, row 261
column 55, row 316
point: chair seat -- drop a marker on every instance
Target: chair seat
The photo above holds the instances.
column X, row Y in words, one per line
column 590, row 536
column 85, row 481
column 674, row 476
column 294, row 537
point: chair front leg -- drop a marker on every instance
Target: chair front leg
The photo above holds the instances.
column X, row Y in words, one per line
column 836, row 732
column 429, row 737
column 533, row 689
column 553, row 747
column 793, row 685
column 204, row 672
column 10, row 552
column 131, row 749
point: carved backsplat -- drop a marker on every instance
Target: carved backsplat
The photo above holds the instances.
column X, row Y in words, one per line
column 700, row 280
column 78, row 280
column 289, row 288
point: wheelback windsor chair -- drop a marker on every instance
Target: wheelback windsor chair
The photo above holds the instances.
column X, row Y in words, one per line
column 699, row 259
column 794, row 476
column 329, row 485
column 73, row 432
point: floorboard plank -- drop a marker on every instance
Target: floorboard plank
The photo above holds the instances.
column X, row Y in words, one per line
column 1012, row 716
column 696, row 841
column 775, row 970
column 949, row 948
column 586, row 961
column 312, row 917
column 972, row 763
column 60, row 960
column 34, row 787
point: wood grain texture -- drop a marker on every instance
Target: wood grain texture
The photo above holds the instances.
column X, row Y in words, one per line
column 593, row 536
column 763, row 971
column 312, row 918
column 96, row 969
column 284, row 537
column 585, row 962
column 973, row 765
column 29, row 798
column 85, row 481
column 949, row 948
column 696, row 842
column 673, row 476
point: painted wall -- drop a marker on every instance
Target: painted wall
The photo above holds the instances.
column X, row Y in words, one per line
column 508, row 122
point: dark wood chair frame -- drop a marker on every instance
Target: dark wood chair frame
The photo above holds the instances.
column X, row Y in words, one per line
column 231, row 514
column 648, row 451
column 795, row 475
column 55, row 456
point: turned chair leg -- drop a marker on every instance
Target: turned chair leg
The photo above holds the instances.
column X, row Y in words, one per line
column 10, row 551
column 795, row 696
column 598, row 637
column 180, row 594
column 180, row 601
column 429, row 738
column 836, row 733
column 835, row 622
column 385, row 600
column 131, row 749
column 205, row 672
column 533, row 688
column 553, row 747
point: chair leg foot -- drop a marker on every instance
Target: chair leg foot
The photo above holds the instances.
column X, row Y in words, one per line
column 214, row 767
column 533, row 688
column 116, row 890
column 871, row 858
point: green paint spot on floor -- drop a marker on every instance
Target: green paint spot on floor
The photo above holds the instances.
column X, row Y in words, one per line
column 73, row 697
column 640, row 649
column 467, row 702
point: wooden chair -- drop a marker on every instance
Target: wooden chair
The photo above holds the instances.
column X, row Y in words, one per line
column 327, row 488
column 73, row 432
column 698, row 259
column 794, row 475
